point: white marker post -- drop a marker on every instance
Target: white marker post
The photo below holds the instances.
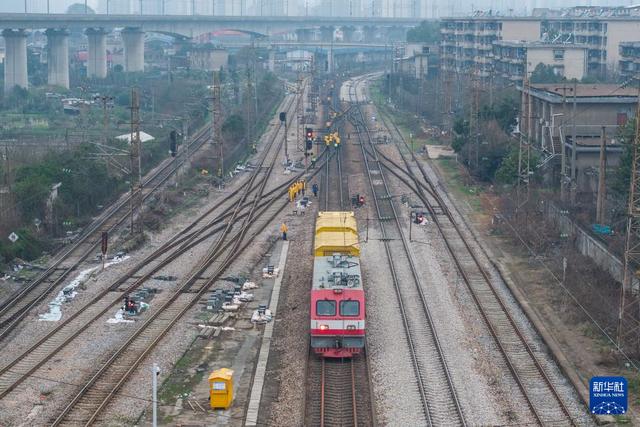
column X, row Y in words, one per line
column 155, row 371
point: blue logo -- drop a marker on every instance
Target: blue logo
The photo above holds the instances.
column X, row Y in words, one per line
column 608, row 395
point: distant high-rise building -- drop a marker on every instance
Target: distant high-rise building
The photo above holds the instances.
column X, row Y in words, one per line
column 115, row 7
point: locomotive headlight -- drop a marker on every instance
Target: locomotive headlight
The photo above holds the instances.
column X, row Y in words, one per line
column 324, row 327
column 351, row 327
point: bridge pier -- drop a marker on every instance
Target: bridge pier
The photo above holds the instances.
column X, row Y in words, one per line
column 369, row 34
column 304, row 35
column 271, row 64
column 133, row 39
column 58, row 57
column 15, row 64
column 97, row 53
column 326, row 34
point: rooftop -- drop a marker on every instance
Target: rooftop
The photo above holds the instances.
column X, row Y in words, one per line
column 539, row 44
column 587, row 90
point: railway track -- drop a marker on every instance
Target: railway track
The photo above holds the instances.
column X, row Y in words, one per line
column 434, row 384
column 44, row 349
column 17, row 306
column 89, row 403
column 338, row 391
column 335, row 382
column 520, row 356
column 19, row 368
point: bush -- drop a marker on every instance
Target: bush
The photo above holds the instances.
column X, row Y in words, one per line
column 27, row 247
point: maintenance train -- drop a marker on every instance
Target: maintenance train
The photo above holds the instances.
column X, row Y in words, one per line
column 337, row 293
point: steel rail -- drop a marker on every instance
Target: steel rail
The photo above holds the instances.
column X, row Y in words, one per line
column 335, row 383
column 198, row 237
column 432, row 191
column 235, row 241
column 408, row 330
column 53, row 348
column 13, row 309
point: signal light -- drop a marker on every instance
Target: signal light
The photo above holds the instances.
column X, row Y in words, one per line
column 309, row 144
column 309, row 133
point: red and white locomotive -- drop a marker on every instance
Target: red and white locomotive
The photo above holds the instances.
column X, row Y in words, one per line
column 337, row 294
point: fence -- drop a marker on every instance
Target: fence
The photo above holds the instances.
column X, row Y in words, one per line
column 586, row 244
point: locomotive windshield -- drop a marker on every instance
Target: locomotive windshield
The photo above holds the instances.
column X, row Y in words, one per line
column 326, row 308
column 349, row 308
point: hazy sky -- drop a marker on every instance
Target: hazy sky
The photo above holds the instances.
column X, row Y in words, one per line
column 440, row 7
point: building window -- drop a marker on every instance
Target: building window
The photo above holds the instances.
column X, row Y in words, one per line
column 622, row 119
column 558, row 54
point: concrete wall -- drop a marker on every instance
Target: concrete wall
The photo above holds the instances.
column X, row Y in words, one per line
column 591, row 115
column 574, row 63
column 521, row 30
column 588, row 245
column 618, row 31
column 212, row 59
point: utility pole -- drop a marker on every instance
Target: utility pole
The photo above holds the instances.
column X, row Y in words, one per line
column 136, row 170
column 155, row 371
column 216, row 125
column 600, row 202
column 300, row 112
column 524, row 148
column 574, row 145
column 420, row 89
column 105, row 116
column 627, row 323
column 563, row 152
column 249, row 106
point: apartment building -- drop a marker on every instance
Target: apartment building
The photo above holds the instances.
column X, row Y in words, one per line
column 511, row 59
column 629, row 64
column 467, row 43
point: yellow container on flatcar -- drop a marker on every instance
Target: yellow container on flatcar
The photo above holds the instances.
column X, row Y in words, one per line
column 336, row 221
column 336, row 232
column 221, row 388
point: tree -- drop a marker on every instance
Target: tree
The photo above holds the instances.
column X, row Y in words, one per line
column 79, row 9
column 508, row 170
column 507, row 173
column 233, row 128
column 426, row 32
column 622, row 176
column 545, row 74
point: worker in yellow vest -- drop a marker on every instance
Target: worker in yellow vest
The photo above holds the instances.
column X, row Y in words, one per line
column 283, row 230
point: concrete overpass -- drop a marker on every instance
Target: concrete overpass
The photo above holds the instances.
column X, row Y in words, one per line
column 96, row 27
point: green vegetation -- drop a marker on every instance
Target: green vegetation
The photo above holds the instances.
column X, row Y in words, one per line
column 426, row 32
column 622, row 174
column 181, row 382
column 450, row 169
column 545, row 74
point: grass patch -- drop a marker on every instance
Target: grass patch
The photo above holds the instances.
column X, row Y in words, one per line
column 181, row 381
column 450, row 171
column 407, row 123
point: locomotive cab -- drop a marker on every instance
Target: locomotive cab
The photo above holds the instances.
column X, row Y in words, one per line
column 337, row 296
column 337, row 311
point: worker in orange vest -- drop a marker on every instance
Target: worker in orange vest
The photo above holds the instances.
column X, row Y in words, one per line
column 284, row 229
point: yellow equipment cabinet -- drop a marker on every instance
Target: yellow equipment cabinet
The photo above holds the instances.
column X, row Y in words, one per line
column 221, row 388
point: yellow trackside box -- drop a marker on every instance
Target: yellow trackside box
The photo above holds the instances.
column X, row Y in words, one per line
column 221, row 388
